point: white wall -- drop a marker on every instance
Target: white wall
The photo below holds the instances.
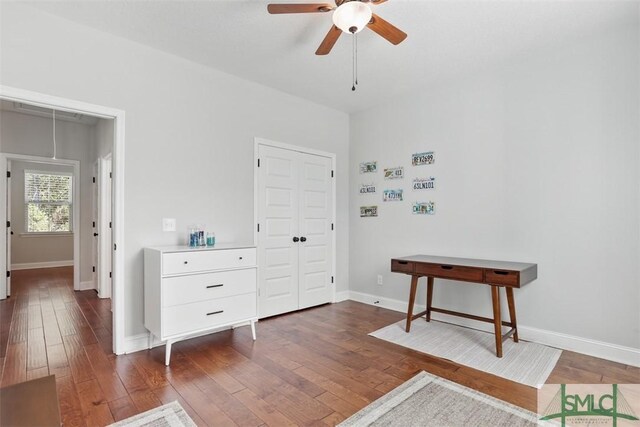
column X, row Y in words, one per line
column 537, row 161
column 103, row 137
column 32, row 135
column 34, row 249
column 189, row 131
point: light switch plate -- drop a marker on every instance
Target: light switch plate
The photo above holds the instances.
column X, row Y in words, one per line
column 168, row 224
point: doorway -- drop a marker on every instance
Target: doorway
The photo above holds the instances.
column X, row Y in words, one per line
column 117, row 220
column 295, row 230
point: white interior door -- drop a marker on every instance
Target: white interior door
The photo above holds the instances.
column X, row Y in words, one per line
column 315, row 218
column 96, row 227
column 9, row 229
column 105, row 230
column 295, row 242
column 278, row 219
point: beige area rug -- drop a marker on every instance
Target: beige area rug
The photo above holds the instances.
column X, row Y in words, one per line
column 426, row 400
column 169, row 415
column 523, row 362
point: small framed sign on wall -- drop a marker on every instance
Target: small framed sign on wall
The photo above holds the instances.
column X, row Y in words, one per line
column 369, row 167
column 394, row 173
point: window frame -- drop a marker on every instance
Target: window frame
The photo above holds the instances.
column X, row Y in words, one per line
column 70, row 204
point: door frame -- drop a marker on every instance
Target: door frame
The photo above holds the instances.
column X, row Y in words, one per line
column 75, row 220
column 256, row 147
column 118, row 169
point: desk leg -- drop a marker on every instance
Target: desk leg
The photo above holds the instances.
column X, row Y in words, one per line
column 412, row 300
column 497, row 319
column 512, row 312
column 429, row 297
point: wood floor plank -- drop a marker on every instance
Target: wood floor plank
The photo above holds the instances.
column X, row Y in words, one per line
column 36, row 349
column 122, row 408
column 15, row 364
column 145, row 400
column 129, row 374
column 70, row 408
column 78, row 361
column 263, row 410
column 57, row 358
column 103, row 370
column 95, row 409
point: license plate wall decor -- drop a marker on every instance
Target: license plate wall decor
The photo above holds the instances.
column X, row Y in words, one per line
column 367, row 189
column 424, row 183
column 424, row 208
column 394, row 173
column 392, row 195
column 368, row 167
column 426, row 158
column 368, row 211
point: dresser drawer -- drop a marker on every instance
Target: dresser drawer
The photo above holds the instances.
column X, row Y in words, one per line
column 200, row 287
column 502, row 277
column 203, row 260
column 452, row 272
column 400, row 266
column 186, row 318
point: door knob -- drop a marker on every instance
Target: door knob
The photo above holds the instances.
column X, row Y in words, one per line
column 303, row 239
column 95, row 234
column 296, row 240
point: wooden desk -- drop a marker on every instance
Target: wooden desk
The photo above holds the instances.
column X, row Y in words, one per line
column 497, row 274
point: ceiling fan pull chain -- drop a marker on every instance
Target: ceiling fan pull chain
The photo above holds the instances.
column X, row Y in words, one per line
column 354, row 78
column 356, row 36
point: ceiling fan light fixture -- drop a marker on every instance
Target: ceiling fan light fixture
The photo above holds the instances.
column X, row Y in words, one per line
column 351, row 17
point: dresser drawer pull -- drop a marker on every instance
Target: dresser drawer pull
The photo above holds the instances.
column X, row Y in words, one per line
column 501, row 273
column 186, row 262
column 403, row 262
column 446, row 267
column 215, row 312
column 215, row 286
column 239, row 257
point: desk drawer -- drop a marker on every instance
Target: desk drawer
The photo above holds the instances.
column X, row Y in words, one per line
column 181, row 319
column 399, row 266
column 502, row 277
column 200, row 287
column 203, row 260
column 452, row 272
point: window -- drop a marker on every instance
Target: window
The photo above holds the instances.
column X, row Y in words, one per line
column 48, row 202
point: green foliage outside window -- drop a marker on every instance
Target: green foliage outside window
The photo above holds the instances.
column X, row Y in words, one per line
column 48, row 201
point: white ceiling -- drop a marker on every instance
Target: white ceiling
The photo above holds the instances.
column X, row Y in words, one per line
column 445, row 38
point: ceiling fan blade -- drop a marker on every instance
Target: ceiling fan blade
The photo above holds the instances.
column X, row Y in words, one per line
column 386, row 30
column 330, row 39
column 299, row 8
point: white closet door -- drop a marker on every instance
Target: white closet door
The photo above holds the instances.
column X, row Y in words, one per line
column 278, row 219
column 316, row 213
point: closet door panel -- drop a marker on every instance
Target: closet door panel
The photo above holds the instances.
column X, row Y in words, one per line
column 316, row 213
column 278, row 198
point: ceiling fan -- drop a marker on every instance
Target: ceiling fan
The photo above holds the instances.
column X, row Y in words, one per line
column 349, row 16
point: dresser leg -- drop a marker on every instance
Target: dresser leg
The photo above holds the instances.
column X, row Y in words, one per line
column 512, row 312
column 167, row 355
column 253, row 329
column 429, row 297
column 412, row 300
column 497, row 319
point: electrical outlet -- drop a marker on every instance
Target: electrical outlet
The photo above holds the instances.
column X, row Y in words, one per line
column 168, row 224
column 379, row 279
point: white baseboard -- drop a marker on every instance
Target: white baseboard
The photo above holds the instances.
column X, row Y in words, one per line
column 48, row 264
column 342, row 296
column 604, row 350
column 87, row 285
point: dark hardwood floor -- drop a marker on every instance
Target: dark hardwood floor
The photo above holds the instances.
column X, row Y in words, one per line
column 314, row 367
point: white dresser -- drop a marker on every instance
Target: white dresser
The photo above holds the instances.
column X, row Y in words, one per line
column 189, row 291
